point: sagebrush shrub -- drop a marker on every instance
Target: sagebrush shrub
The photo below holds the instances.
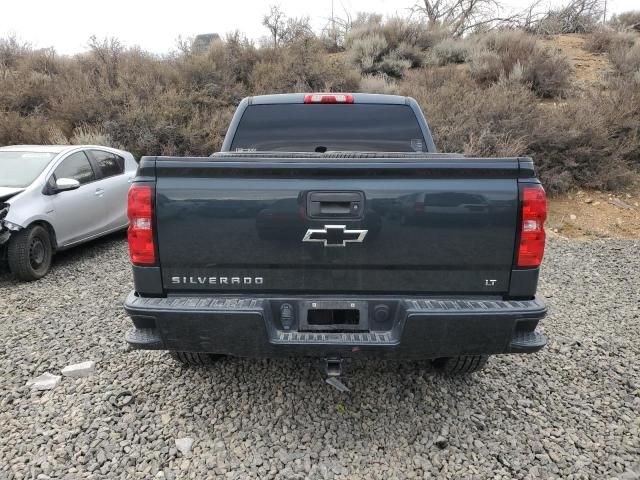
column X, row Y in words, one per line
column 378, row 84
column 511, row 45
column 486, row 66
column 398, row 30
column 412, row 53
column 625, row 59
column 626, row 20
column 467, row 117
column 449, row 50
column 389, row 47
column 495, row 56
column 603, row 41
column 92, row 135
column 591, row 140
column 366, row 52
column 20, row 129
column 394, row 65
column 547, row 73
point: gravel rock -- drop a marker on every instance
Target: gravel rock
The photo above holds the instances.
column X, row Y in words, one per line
column 78, row 370
column 441, row 442
column 570, row 411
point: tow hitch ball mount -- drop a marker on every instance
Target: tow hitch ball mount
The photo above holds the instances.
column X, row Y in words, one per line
column 333, row 367
column 333, row 370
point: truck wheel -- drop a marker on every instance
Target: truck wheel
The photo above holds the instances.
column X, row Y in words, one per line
column 460, row 365
column 29, row 253
column 194, row 359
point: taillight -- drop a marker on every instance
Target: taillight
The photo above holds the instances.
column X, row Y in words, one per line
column 328, row 98
column 140, row 211
column 534, row 213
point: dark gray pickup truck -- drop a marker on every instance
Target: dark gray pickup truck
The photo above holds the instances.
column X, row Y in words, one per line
column 329, row 226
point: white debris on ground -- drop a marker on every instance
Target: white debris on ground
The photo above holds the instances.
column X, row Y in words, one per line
column 79, row 370
column 46, row 381
column 184, row 445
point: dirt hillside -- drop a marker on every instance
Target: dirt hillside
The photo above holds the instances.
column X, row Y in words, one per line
column 592, row 214
column 588, row 67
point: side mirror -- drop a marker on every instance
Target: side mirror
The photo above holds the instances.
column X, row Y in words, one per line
column 64, row 184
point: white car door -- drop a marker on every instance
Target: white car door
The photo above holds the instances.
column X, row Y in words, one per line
column 78, row 214
column 115, row 181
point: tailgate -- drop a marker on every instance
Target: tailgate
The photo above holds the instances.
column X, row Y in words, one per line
column 433, row 224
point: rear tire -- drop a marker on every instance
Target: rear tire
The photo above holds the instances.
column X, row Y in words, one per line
column 195, row 359
column 29, row 253
column 462, row 365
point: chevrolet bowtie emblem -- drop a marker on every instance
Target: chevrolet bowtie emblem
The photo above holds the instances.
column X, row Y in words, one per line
column 335, row 235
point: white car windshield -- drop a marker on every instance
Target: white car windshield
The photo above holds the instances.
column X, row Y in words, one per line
column 20, row 169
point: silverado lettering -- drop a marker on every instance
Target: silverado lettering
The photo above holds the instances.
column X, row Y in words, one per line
column 374, row 244
column 217, row 280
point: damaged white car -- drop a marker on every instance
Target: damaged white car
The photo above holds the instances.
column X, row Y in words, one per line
column 56, row 197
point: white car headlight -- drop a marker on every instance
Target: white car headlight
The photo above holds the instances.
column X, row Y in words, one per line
column 12, row 226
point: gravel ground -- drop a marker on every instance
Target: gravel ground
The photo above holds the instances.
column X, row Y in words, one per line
column 571, row 411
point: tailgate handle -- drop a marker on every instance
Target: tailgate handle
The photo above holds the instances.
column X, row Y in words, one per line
column 335, row 208
column 335, row 204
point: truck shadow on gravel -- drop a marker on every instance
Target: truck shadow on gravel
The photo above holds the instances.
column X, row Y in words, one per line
column 374, row 384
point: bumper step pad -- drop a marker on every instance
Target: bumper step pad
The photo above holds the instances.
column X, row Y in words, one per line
column 527, row 342
column 144, row 338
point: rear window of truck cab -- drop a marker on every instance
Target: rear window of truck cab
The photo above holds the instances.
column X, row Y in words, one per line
column 328, row 127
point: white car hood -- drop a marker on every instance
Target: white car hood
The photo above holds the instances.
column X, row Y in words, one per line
column 8, row 192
